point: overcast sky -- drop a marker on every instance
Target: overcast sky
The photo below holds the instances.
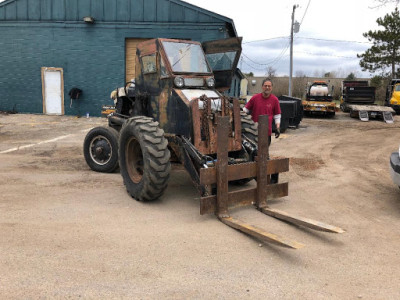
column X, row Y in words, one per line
column 329, row 39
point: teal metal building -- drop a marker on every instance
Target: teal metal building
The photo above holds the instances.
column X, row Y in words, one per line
column 48, row 47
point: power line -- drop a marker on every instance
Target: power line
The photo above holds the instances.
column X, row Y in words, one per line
column 253, row 67
column 308, row 38
column 338, row 41
column 317, row 54
column 274, row 38
column 261, row 67
column 305, row 12
column 272, row 61
column 277, row 59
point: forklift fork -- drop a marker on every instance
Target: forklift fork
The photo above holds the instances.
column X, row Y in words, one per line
column 262, row 168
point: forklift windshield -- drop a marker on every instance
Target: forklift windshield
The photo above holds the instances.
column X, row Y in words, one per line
column 221, row 61
column 186, row 57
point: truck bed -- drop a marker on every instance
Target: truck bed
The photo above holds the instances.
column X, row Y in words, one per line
column 364, row 95
column 365, row 112
column 377, row 108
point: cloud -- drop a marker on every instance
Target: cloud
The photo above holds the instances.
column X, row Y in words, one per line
column 310, row 56
column 330, row 35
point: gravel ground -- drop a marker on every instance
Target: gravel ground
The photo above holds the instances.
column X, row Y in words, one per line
column 68, row 232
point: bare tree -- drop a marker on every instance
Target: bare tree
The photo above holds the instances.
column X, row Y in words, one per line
column 271, row 72
column 300, row 73
column 300, row 85
column 384, row 2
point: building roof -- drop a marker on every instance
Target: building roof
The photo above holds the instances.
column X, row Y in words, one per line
column 127, row 11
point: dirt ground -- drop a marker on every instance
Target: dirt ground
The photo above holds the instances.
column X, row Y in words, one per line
column 68, row 232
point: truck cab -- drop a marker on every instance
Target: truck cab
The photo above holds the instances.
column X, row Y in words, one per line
column 393, row 95
column 170, row 73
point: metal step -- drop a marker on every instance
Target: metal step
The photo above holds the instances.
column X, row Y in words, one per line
column 363, row 115
column 388, row 117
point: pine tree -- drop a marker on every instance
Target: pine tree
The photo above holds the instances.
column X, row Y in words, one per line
column 351, row 76
column 384, row 53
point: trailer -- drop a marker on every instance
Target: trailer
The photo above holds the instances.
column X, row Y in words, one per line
column 358, row 98
column 365, row 112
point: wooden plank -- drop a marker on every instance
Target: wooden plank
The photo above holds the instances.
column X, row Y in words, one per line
column 194, row 105
column 245, row 170
column 58, row 10
column 222, row 165
column 137, row 10
column 313, row 224
column 123, row 10
column 262, row 162
column 83, row 9
column 11, row 11
column 243, row 197
column 22, row 10
column 178, row 14
column 149, row 11
column 163, row 11
column 71, row 10
column 260, row 233
column 97, row 10
column 110, row 11
column 130, row 57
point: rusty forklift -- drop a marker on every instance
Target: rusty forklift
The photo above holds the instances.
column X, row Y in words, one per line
column 175, row 112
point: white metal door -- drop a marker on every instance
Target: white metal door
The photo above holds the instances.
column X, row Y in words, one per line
column 53, row 95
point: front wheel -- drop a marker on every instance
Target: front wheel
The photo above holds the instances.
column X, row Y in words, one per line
column 144, row 158
column 100, row 149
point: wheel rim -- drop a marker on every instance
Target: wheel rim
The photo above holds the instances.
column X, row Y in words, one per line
column 100, row 150
column 134, row 160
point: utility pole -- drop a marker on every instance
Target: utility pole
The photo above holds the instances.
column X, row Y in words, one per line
column 292, row 28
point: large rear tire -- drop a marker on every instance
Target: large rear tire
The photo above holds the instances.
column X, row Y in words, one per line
column 100, row 149
column 144, row 158
column 249, row 127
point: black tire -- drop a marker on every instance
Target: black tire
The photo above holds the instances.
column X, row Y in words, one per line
column 249, row 127
column 100, row 149
column 144, row 158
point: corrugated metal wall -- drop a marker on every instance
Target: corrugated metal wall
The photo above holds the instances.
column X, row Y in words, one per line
column 51, row 33
column 105, row 11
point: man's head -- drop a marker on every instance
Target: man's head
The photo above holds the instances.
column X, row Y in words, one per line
column 266, row 87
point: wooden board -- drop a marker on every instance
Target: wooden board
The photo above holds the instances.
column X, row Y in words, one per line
column 130, row 56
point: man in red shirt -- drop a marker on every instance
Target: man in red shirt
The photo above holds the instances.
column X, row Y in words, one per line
column 266, row 103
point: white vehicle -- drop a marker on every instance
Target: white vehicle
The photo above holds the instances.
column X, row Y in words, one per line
column 395, row 167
